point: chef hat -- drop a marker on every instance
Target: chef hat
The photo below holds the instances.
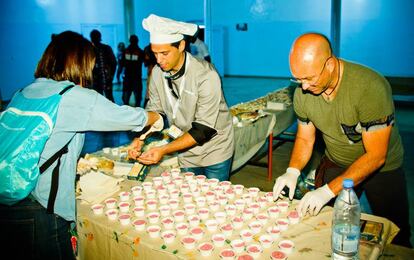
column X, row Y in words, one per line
column 164, row 30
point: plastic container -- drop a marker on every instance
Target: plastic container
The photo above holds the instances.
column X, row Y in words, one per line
column 188, row 242
column 139, row 224
column 227, row 254
column 255, row 250
column 168, row 236
column 205, row 248
column 286, row 246
column 97, row 209
column 237, row 245
column 345, row 223
column 218, row 240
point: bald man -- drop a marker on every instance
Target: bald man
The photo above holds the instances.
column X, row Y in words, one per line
column 352, row 106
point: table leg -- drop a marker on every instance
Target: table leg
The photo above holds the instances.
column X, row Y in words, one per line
column 269, row 157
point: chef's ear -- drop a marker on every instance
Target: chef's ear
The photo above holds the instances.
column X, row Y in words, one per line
column 181, row 47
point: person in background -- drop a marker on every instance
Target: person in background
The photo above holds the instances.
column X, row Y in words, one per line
column 120, row 53
column 132, row 65
column 199, row 48
column 105, row 66
column 29, row 231
column 188, row 92
column 353, row 108
column 149, row 62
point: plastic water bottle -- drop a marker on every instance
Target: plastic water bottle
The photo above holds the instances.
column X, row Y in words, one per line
column 345, row 223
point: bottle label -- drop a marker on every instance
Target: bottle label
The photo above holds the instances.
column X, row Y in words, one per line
column 345, row 238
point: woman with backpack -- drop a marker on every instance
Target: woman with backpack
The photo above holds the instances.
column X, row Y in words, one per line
column 33, row 227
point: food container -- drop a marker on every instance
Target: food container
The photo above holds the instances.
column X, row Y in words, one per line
column 139, row 211
column 139, row 224
column 154, row 231
column 115, row 151
column 188, row 176
column 185, row 188
column 210, row 196
column 136, row 190
column 150, row 194
column 175, row 172
column 227, row 229
column 182, row 228
column 283, row 224
column 188, row 242
column 293, row 217
column 230, row 194
column 282, row 205
column 194, row 220
column 255, row 250
column 213, row 182
column 245, row 256
column 178, row 181
column 253, row 191
column 112, row 214
column 286, row 246
column 274, row 232
column 195, row 192
column 168, row 223
column 255, row 227
column 255, row 207
column 125, row 219
column 170, row 186
column 222, row 199
column 139, row 200
column 153, row 217
column 239, row 203
column 111, row 203
column 173, row 203
column 165, row 210
column 205, row 248
column 174, row 193
column 246, row 235
column 157, row 181
column 97, row 209
column 187, row 198
column 227, row 254
column 247, row 214
column 147, row 185
column 200, row 201
column 237, row 245
column 237, row 222
column 204, row 213
column 166, row 177
column 205, row 187
column 179, row 215
column 220, row 217
column 218, row 240
column 189, row 208
column 269, row 197
column 168, row 236
column 162, row 190
column 278, row 255
column 231, row 210
column 247, row 198
column 197, row 233
column 262, row 202
column 152, row 204
column 238, row 189
column 262, row 218
column 273, row 212
column 163, row 199
column 211, row 225
column 214, row 206
column 200, row 179
column 266, row 241
column 124, row 206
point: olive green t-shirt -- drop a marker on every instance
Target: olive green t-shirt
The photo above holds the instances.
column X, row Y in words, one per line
column 363, row 103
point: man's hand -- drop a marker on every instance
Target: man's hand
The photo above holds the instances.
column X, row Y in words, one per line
column 152, row 156
column 156, row 127
column 288, row 179
column 313, row 201
column 134, row 149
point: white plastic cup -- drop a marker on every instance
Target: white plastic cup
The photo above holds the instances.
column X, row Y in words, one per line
column 266, row 241
column 154, row 231
column 139, row 224
column 168, row 236
column 124, row 206
column 182, row 228
column 286, row 246
column 112, row 214
column 111, row 203
column 211, row 225
column 218, row 240
column 246, row 235
column 125, row 219
column 139, row 211
column 227, row 254
column 188, row 242
column 97, row 209
column 255, row 250
column 205, row 248
column 197, row 233
column 282, row 223
column 278, row 255
column 237, row 245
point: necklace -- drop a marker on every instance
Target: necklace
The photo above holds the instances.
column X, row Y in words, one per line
column 337, row 82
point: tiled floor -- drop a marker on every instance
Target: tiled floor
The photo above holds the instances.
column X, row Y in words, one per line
column 243, row 89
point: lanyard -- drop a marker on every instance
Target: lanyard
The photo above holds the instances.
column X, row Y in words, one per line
column 175, row 103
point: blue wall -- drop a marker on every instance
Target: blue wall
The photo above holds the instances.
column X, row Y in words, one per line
column 378, row 33
column 26, row 27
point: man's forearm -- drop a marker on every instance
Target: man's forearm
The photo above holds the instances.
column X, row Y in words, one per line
column 357, row 171
column 183, row 142
column 301, row 153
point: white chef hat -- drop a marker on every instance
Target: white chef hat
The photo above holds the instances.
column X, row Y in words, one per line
column 164, row 30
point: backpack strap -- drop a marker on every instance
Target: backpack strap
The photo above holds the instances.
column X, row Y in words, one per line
column 55, row 176
column 55, row 173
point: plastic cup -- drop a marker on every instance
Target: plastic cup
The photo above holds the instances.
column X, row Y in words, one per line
column 266, row 241
column 194, row 220
column 237, row 222
column 282, row 205
column 124, row 195
column 182, row 228
column 106, row 150
column 200, row 201
column 152, row 204
column 197, row 233
column 154, row 231
column 211, row 225
column 165, row 210
column 214, row 206
column 188, row 242
column 175, row 172
column 97, row 209
column 274, row 232
column 168, row 223
column 262, row 218
column 136, row 190
column 179, row 215
column 246, row 235
column 111, row 203
column 139, row 200
column 278, row 255
column 227, row 229
column 124, row 206
column 282, row 223
column 293, row 217
column 139, row 224
column 255, row 227
column 163, row 199
column 173, row 203
column 168, row 236
column 112, row 214
column 153, row 217
column 238, row 189
column 247, row 214
column 255, row 207
column 189, row 209
column 200, row 179
column 204, row 213
column 125, row 219
column 273, row 212
column 227, row 254
column 255, row 250
column 237, row 245
column 205, row 248
column 139, row 211
column 231, row 210
column 253, row 191
column 157, row 181
column 286, row 246
column 220, row 217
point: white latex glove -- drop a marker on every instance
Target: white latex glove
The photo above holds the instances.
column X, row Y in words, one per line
column 313, row 201
column 288, row 179
column 156, row 127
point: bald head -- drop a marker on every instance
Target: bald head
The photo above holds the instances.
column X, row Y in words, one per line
column 309, row 51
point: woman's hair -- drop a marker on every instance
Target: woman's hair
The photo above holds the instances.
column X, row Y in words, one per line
column 69, row 56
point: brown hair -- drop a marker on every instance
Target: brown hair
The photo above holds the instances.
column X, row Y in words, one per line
column 69, row 56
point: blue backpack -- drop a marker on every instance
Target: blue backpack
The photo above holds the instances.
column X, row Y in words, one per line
column 25, row 126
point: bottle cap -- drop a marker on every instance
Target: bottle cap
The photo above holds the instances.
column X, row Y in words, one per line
column 348, row 183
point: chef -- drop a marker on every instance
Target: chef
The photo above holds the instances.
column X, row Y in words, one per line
column 188, row 92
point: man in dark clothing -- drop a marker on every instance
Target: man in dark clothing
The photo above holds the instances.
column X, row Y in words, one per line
column 132, row 63
column 105, row 65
